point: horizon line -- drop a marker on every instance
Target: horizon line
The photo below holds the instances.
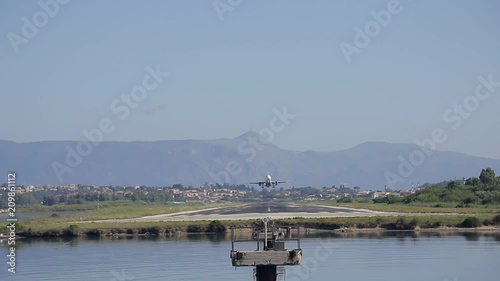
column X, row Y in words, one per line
column 247, row 133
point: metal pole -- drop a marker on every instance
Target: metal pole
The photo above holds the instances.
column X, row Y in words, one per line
column 298, row 236
column 265, row 235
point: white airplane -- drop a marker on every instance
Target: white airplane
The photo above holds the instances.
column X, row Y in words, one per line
column 268, row 182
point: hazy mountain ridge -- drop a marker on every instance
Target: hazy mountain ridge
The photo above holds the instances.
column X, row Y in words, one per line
column 193, row 162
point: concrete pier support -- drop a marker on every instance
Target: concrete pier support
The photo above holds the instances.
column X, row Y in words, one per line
column 266, row 273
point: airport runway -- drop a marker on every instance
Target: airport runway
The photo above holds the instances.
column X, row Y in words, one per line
column 276, row 210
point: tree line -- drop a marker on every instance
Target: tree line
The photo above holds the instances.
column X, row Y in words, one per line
column 484, row 190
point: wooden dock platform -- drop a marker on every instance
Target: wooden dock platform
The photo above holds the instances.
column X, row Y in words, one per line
column 270, row 252
column 270, row 257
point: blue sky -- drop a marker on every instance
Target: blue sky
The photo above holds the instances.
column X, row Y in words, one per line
column 228, row 74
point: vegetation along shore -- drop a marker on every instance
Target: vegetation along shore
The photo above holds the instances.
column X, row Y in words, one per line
column 472, row 203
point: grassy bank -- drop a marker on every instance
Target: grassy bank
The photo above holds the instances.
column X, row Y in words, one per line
column 56, row 229
column 57, row 224
column 119, row 210
column 398, row 222
column 83, row 224
column 123, row 209
column 438, row 207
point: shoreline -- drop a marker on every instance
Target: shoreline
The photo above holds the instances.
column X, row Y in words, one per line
column 222, row 219
column 442, row 229
column 197, row 227
column 248, row 232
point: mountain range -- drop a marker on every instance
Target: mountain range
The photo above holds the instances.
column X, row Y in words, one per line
column 246, row 158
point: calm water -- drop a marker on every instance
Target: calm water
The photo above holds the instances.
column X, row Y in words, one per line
column 401, row 256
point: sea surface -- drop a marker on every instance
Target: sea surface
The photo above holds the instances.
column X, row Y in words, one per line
column 390, row 256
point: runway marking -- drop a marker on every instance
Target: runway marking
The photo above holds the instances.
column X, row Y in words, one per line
column 257, row 210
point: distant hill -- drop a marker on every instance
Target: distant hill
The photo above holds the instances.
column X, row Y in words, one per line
column 192, row 162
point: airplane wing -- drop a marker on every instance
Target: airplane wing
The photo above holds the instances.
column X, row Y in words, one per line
column 276, row 182
column 258, row 182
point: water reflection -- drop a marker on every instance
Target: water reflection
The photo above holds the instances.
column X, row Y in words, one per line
column 473, row 236
column 212, row 237
column 400, row 234
column 344, row 256
column 224, row 237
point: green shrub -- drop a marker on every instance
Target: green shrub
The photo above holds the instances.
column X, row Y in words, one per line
column 470, row 222
column 392, row 199
column 436, row 224
column 344, row 200
column 153, row 230
column 496, row 220
column 71, row 231
column 117, row 231
column 428, row 224
column 51, row 233
column 493, row 221
column 322, row 225
column 412, row 224
column 401, row 224
column 380, row 200
column 94, row 232
column 216, row 227
column 194, row 228
column 366, row 225
column 257, row 223
column 31, row 233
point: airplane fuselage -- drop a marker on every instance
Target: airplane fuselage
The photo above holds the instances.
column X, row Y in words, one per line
column 268, row 182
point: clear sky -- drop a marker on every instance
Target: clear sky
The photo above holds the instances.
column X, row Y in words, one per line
column 230, row 69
